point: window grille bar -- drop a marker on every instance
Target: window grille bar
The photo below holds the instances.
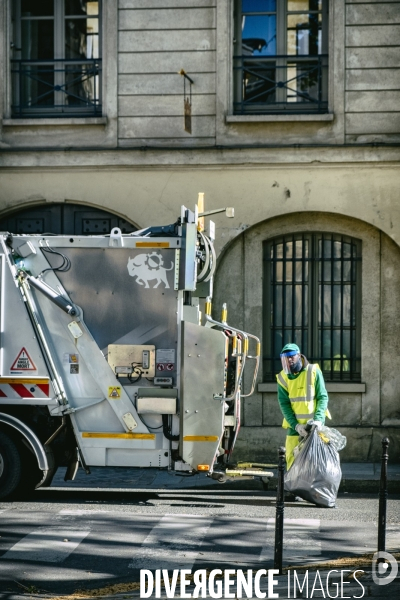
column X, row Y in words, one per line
column 319, row 87
column 333, row 308
column 284, row 292
column 271, row 314
column 293, row 291
column 341, row 307
column 322, row 301
column 333, row 343
column 78, row 75
column 303, row 289
column 353, row 363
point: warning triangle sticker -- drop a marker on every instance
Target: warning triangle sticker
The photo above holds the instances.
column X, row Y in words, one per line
column 23, row 362
column 114, row 392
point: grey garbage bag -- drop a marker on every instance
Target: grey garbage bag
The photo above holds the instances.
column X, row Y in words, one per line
column 337, row 440
column 315, row 473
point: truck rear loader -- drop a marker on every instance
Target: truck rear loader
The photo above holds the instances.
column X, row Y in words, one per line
column 110, row 355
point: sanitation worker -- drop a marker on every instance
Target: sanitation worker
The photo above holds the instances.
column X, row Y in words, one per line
column 302, row 397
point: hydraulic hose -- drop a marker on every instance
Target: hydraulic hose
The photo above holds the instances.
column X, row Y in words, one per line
column 167, row 430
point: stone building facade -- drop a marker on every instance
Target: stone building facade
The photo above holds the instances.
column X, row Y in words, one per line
column 295, row 122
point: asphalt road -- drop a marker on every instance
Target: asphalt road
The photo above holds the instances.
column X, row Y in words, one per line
column 71, row 538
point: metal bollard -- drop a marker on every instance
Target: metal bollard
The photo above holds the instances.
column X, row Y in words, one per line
column 280, row 508
column 383, row 494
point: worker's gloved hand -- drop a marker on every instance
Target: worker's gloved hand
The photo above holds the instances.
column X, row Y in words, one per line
column 318, row 424
column 301, row 430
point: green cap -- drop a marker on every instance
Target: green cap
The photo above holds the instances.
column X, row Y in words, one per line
column 290, row 348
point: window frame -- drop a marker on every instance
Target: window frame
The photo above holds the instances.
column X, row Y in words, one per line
column 270, row 129
column 279, row 64
column 59, row 63
column 314, row 328
column 81, row 131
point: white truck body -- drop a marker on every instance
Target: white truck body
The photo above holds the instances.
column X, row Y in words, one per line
column 109, row 355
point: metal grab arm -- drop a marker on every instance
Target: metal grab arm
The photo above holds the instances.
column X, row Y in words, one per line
column 243, row 355
column 245, row 350
column 224, row 325
column 233, row 335
column 248, row 356
column 257, row 365
column 57, row 381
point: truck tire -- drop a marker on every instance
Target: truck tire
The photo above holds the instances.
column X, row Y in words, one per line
column 10, row 466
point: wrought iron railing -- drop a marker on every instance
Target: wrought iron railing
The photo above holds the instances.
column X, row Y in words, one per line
column 56, row 88
column 281, row 84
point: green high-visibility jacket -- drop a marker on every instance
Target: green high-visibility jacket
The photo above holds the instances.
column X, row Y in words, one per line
column 302, row 396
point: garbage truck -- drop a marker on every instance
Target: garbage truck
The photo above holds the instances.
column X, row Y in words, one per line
column 110, row 356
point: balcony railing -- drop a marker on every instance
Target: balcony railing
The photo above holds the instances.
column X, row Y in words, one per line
column 56, row 88
column 281, row 84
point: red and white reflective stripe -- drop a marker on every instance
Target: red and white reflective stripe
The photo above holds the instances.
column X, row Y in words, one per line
column 13, row 387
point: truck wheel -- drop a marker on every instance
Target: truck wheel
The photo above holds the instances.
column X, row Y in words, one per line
column 10, row 466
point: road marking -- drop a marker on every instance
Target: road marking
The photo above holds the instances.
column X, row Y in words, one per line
column 173, row 543
column 297, row 541
column 46, row 545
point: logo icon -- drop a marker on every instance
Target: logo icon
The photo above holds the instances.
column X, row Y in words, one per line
column 384, row 572
column 149, row 267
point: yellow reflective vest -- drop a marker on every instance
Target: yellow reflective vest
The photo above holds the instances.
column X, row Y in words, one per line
column 301, row 391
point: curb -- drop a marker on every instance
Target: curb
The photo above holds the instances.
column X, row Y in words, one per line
column 354, row 486
column 367, row 486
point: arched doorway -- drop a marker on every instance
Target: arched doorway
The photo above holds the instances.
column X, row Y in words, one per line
column 64, row 219
column 341, row 251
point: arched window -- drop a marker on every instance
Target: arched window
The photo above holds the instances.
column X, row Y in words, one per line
column 312, row 298
column 64, row 219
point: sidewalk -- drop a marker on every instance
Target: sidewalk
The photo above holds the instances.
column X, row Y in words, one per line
column 357, row 477
column 365, row 477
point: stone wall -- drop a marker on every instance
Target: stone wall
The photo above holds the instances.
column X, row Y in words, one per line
column 157, row 40
column 364, row 412
column 147, row 43
column 372, row 72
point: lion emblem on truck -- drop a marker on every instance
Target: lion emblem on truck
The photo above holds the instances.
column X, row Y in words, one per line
column 147, row 267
